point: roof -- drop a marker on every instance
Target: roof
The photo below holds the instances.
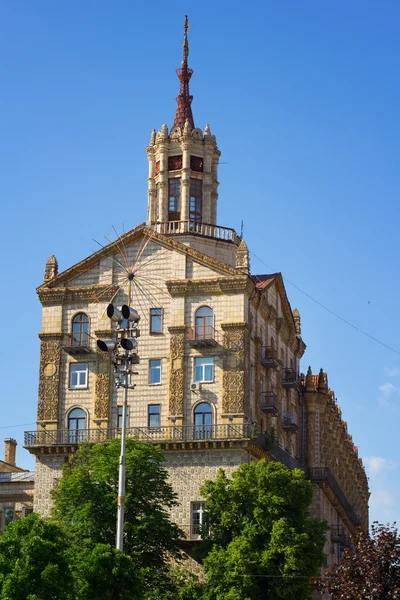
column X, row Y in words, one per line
column 263, row 281
column 314, row 380
column 17, row 477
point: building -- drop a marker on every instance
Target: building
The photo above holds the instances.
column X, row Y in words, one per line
column 16, row 487
column 220, row 349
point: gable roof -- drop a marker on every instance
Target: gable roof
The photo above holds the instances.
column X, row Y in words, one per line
column 128, row 239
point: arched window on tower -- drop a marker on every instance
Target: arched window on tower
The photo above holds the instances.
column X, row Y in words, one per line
column 76, row 426
column 203, row 421
column 80, row 330
column 204, row 323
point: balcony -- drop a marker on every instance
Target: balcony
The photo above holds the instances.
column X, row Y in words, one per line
column 215, row 232
column 338, row 536
column 280, row 455
column 289, row 422
column 268, row 403
column 269, row 357
column 74, row 346
column 202, row 336
column 324, row 478
column 160, row 435
column 289, row 378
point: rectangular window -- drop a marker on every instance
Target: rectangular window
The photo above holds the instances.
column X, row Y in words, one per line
column 155, row 371
column 196, row 517
column 204, row 369
column 154, row 415
column 119, row 420
column 78, row 375
column 174, row 199
column 195, row 200
column 156, row 320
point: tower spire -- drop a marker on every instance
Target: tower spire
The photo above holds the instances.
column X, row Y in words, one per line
column 184, row 100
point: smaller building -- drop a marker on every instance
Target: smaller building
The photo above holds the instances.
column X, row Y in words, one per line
column 16, row 487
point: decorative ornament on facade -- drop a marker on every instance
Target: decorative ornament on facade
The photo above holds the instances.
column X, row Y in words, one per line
column 177, row 374
column 184, row 100
column 51, row 269
column 236, row 343
column 242, row 259
column 297, row 321
column 102, row 398
column 49, row 378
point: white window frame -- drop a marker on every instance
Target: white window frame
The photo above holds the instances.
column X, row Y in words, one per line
column 203, row 369
column 155, row 368
column 74, row 367
column 194, row 512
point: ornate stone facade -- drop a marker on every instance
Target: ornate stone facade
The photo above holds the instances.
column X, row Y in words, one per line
column 236, row 346
column 49, row 377
column 177, row 372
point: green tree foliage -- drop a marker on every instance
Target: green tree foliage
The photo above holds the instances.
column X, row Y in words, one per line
column 370, row 570
column 259, row 540
column 33, row 561
column 86, row 502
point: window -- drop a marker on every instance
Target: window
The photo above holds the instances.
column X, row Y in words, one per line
column 27, row 511
column 155, row 371
column 156, row 321
column 76, row 425
column 203, row 420
column 175, row 163
column 196, row 164
column 153, row 415
column 78, row 375
column 195, row 200
column 196, row 517
column 204, row 369
column 8, row 516
column 119, row 417
column 174, row 199
column 204, row 323
column 80, row 330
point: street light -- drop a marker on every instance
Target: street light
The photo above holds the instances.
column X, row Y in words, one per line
column 123, row 349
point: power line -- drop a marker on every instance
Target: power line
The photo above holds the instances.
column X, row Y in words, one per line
column 371, row 337
column 21, row 425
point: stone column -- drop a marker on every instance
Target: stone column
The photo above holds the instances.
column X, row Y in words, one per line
column 151, row 186
column 49, row 378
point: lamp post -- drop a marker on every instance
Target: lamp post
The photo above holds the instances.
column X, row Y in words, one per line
column 123, row 349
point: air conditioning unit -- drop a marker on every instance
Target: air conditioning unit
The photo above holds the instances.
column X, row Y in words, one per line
column 195, row 386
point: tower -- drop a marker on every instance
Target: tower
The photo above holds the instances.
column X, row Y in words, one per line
column 183, row 166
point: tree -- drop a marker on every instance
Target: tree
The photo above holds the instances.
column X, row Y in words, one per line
column 370, row 570
column 86, row 501
column 33, row 561
column 259, row 540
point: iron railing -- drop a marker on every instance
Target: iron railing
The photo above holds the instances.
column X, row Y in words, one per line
column 284, row 457
column 289, row 378
column 289, row 419
column 187, row 433
column 324, row 475
column 202, row 333
column 269, row 402
column 212, row 231
column 338, row 536
column 269, row 357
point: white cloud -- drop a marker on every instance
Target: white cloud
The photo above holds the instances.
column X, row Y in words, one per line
column 381, row 498
column 388, row 389
column 377, row 464
column 392, row 372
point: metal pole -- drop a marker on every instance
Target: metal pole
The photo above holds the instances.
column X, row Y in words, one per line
column 121, row 479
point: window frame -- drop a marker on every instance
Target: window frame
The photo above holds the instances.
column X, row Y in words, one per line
column 155, row 369
column 157, row 414
column 82, row 336
column 119, row 417
column 160, row 316
column 204, row 325
column 174, row 200
column 203, row 368
column 86, row 371
column 195, row 527
column 196, row 200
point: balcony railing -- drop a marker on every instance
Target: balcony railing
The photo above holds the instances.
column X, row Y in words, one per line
column 323, row 475
column 202, row 336
column 185, row 227
column 268, row 403
column 289, row 378
column 187, row 433
column 338, row 536
column 289, row 422
column 284, row 457
column 269, row 357
column 76, row 345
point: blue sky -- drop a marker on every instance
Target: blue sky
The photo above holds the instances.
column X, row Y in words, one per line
column 303, row 98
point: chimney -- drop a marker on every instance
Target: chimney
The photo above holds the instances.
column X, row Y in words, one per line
column 10, row 451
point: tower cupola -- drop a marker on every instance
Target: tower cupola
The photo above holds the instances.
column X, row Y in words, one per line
column 183, row 165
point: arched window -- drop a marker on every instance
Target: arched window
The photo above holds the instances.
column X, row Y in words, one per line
column 203, row 421
column 76, row 426
column 204, row 323
column 80, row 330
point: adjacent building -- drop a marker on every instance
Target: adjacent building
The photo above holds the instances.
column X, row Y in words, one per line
column 16, row 487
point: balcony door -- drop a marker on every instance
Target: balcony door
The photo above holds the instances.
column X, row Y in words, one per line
column 204, row 323
column 203, row 421
column 76, row 426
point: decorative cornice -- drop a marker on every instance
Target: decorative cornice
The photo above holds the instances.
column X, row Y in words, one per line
column 177, row 329
column 187, row 287
column 237, row 325
column 51, row 336
column 105, row 293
